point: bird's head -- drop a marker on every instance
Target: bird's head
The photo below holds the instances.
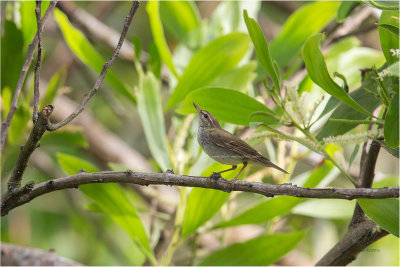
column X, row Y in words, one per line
column 206, row 119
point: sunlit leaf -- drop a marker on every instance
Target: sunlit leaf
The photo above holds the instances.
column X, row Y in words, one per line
column 391, row 129
column 318, row 72
column 150, row 111
column 209, row 62
column 238, row 78
column 304, row 22
column 325, row 208
column 180, row 18
column 236, row 107
column 390, row 28
column 262, row 49
column 157, row 30
column 264, row 250
column 82, row 48
column 112, row 200
column 385, row 212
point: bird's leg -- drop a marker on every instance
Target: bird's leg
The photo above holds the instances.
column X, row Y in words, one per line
column 216, row 175
column 236, row 177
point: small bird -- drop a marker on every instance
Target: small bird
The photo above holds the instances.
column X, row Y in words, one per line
column 226, row 148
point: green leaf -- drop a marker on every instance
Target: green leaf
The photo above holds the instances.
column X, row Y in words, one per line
column 150, row 111
column 277, row 206
column 382, row 4
column 387, row 39
column 318, row 72
column 239, row 78
column 236, row 107
column 309, row 19
column 82, row 48
column 264, row 250
column 390, row 28
column 391, row 128
column 157, row 30
column 203, row 204
column 19, row 124
column 219, row 56
column 112, row 200
column 55, row 83
column 180, row 18
column 12, row 55
column 325, row 208
column 261, row 47
column 346, row 7
column 64, row 138
column 385, row 212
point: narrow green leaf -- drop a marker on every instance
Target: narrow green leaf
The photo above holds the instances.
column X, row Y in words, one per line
column 391, row 128
column 55, row 83
column 311, row 18
column 318, row 72
column 264, row 250
column 385, row 212
column 346, row 7
column 112, row 200
column 236, row 107
column 261, row 47
column 219, row 56
column 382, row 4
column 390, row 28
column 180, row 18
column 82, row 48
column 277, row 206
column 157, row 30
column 150, row 111
column 387, row 39
column 203, row 204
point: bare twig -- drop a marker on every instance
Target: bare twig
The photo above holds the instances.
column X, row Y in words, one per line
column 29, row 56
column 14, row 255
column 170, row 179
column 89, row 95
column 36, row 93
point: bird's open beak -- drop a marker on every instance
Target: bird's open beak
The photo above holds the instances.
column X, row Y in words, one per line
column 197, row 108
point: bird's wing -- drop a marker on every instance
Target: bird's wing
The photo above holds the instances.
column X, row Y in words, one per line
column 223, row 138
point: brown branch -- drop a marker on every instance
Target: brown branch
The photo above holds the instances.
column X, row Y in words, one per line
column 353, row 242
column 14, row 255
column 89, row 95
column 362, row 231
column 29, row 56
column 31, row 144
column 269, row 190
column 36, row 93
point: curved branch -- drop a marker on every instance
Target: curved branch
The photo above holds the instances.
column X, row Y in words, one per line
column 106, row 66
column 269, row 190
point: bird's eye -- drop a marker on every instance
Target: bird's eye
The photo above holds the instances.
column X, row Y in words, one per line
column 205, row 116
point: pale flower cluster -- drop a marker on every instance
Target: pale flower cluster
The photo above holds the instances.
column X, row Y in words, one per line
column 383, row 74
column 395, row 52
column 354, row 138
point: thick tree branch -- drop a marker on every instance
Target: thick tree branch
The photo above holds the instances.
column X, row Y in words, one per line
column 36, row 93
column 269, row 190
column 352, row 243
column 29, row 56
column 89, row 95
column 13, row 255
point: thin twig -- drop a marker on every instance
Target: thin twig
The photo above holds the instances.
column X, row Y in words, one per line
column 269, row 190
column 89, row 95
column 36, row 93
column 29, row 56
